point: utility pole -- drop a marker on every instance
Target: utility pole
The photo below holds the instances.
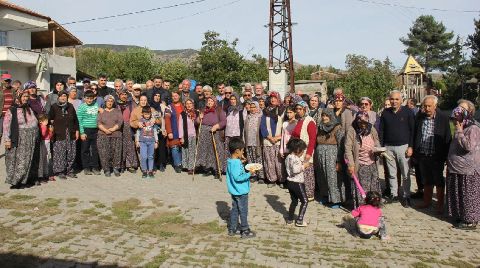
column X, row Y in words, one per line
column 280, row 60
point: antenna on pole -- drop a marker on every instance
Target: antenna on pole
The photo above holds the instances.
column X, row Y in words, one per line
column 280, row 60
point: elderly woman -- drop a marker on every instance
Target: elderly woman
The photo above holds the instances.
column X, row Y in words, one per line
column 271, row 133
column 366, row 105
column 109, row 139
column 161, row 152
column 72, row 98
column 315, row 109
column 189, row 115
column 21, row 138
column 63, row 118
column 328, row 158
column 235, row 123
column 173, row 126
column 129, row 155
column 253, row 147
column 463, row 176
column 306, row 130
column 212, row 119
column 36, row 102
column 361, row 138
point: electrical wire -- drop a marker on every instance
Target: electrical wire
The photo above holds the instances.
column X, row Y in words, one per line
column 157, row 23
column 419, row 8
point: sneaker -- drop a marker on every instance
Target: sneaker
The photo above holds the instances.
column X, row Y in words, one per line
column 289, row 222
column 96, row 171
column 116, row 171
column 107, row 174
column 310, row 199
column 233, row 233
column 335, row 206
column 247, row 234
column 144, row 175
column 150, row 175
column 132, row 170
column 62, row 176
column 72, row 175
column 178, row 169
column 301, row 224
column 87, row 172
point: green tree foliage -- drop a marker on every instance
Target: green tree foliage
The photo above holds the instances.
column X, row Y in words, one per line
column 137, row 64
column 473, row 42
column 304, row 72
column 97, row 61
column 366, row 77
column 175, row 71
column 429, row 42
column 219, row 61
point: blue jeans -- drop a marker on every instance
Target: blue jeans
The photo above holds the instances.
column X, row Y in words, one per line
column 177, row 156
column 147, row 150
column 239, row 206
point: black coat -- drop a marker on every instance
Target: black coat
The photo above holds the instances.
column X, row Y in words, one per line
column 442, row 135
column 63, row 121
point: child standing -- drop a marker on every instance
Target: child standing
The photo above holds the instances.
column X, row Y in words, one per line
column 87, row 120
column 370, row 220
column 45, row 167
column 146, row 139
column 238, row 183
column 296, row 181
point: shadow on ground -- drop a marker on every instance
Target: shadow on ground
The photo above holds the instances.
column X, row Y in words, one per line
column 223, row 210
column 12, row 260
column 278, row 206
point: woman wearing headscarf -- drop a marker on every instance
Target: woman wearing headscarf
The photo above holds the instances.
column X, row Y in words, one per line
column 463, row 171
column 328, row 159
column 212, row 119
column 253, row 146
column 271, row 133
column 129, row 155
column 174, row 128
column 36, row 102
column 109, row 141
column 315, row 111
column 235, row 122
column 306, row 130
column 21, row 139
column 162, row 151
column 189, row 141
column 361, row 138
column 63, row 118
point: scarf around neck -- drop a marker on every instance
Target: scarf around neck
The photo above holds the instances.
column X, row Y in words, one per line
column 328, row 127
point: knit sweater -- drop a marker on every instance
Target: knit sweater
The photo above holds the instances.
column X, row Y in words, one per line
column 87, row 116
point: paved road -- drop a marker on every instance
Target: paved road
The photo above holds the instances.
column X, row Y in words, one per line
column 174, row 221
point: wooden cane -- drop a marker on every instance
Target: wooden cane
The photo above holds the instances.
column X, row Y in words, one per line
column 196, row 149
column 216, row 156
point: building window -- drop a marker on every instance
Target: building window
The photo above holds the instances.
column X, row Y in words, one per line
column 3, row 38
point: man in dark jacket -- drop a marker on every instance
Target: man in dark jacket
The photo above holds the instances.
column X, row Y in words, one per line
column 103, row 89
column 431, row 142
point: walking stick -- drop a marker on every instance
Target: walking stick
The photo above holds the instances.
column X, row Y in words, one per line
column 357, row 183
column 216, row 156
column 196, row 150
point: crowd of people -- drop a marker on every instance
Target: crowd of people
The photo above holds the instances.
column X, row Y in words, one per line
column 129, row 128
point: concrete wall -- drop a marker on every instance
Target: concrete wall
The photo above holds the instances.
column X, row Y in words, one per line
column 19, row 39
column 18, row 72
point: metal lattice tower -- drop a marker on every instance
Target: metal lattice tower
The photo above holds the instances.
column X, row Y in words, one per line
column 280, row 50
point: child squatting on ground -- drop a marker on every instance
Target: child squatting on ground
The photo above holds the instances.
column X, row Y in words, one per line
column 238, row 184
column 368, row 217
column 295, row 180
column 146, row 139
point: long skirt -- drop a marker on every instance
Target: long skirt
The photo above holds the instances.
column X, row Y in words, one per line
column 463, row 197
column 129, row 153
column 19, row 160
column 309, row 176
column 110, row 152
column 330, row 182
column 206, row 154
column 188, row 153
column 45, row 161
column 254, row 155
column 64, row 153
column 273, row 164
column 368, row 178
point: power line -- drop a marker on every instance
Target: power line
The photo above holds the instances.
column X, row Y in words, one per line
column 134, row 12
column 157, row 23
column 113, row 16
column 419, row 8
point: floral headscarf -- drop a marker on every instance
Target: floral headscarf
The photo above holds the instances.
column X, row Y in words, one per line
column 362, row 117
column 461, row 114
column 274, row 111
column 211, row 109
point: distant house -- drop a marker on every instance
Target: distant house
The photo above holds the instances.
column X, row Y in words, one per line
column 28, row 43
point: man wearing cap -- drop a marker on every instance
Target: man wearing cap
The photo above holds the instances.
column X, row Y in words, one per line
column 137, row 92
column 6, row 98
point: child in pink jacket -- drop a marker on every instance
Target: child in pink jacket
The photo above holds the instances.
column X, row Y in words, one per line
column 369, row 217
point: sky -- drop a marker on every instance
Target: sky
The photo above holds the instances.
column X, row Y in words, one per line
column 325, row 31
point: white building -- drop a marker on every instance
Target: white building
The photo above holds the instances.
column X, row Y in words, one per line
column 28, row 42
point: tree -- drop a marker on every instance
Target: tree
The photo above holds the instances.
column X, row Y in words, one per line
column 175, row 70
column 429, row 42
column 366, row 77
column 304, row 72
column 473, row 42
column 96, row 61
column 137, row 64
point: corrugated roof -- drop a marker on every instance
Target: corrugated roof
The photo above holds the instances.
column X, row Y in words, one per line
column 6, row 4
column 411, row 66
